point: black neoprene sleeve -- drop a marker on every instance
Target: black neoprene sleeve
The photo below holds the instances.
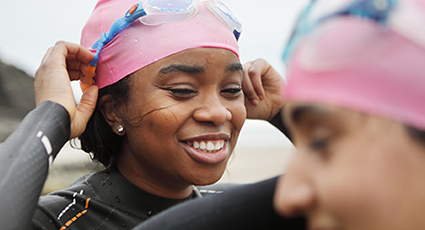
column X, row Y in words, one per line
column 277, row 121
column 245, row 207
column 24, row 162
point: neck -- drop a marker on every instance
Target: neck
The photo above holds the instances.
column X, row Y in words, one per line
column 153, row 180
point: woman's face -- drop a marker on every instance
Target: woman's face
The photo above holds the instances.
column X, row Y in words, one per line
column 352, row 171
column 184, row 115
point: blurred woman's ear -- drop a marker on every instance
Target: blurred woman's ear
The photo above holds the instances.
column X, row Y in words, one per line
column 111, row 111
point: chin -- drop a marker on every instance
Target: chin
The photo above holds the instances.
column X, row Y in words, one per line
column 204, row 183
column 208, row 178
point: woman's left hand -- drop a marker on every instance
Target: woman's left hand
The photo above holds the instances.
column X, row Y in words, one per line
column 261, row 86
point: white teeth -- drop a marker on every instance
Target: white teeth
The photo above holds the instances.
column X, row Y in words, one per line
column 203, row 146
column 219, row 145
column 209, row 146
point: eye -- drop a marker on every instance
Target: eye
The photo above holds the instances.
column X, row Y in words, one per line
column 182, row 93
column 233, row 91
column 322, row 146
column 318, row 144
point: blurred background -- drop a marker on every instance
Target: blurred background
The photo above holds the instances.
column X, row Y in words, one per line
column 29, row 28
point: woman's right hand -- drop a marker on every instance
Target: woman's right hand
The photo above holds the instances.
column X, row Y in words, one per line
column 61, row 64
column 261, row 86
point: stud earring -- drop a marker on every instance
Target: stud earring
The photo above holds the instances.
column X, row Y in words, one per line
column 120, row 128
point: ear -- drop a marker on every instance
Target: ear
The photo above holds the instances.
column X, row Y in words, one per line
column 110, row 109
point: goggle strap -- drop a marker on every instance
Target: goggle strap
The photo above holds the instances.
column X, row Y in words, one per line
column 132, row 14
column 375, row 10
column 301, row 28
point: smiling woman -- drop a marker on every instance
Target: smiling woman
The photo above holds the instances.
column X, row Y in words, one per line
column 199, row 100
column 168, row 113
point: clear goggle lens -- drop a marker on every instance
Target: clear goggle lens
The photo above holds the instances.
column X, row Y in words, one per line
column 168, row 6
column 163, row 11
column 222, row 12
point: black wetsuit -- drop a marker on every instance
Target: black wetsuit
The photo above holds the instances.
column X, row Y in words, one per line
column 106, row 200
column 103, row 200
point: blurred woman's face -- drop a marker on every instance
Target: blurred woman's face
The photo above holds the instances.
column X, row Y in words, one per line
column 352, row 171
column 184, row 115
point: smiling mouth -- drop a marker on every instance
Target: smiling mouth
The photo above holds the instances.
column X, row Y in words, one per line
column 207, row 146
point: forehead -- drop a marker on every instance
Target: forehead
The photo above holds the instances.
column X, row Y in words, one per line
column 199, row 58
column 193, row 63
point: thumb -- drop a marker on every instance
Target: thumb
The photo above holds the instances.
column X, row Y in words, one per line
column 84, row 111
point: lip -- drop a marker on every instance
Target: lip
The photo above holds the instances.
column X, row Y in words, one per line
column 207, row 158
column 204, row 157
column 215, row 136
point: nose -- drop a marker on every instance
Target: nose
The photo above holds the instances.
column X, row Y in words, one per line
column 212, row 110
column 294, row 193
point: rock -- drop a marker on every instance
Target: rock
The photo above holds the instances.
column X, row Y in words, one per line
column 16, row 98
column 16, row 101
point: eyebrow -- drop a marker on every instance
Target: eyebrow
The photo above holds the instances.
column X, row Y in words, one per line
column 299, row 112
column 174, row 68
column 235, row 67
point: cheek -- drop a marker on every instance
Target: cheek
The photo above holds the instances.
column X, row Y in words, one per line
column 349, row 193
column 151, row 123
column 154, row 108
column 364, row 176
column 164, row 119
column 238, row 111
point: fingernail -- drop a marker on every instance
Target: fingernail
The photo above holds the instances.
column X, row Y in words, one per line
column 254, row 102
column 261, row 97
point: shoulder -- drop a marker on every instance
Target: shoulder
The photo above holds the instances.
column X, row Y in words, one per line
column 52, row 208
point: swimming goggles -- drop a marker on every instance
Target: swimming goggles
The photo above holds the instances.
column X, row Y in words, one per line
column 401, row 17
column 156, row 12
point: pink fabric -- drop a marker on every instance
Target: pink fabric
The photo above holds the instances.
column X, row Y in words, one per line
column 139, row 45
column 357, row 65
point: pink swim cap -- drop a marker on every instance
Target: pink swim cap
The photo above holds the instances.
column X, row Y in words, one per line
column 359, row 65
column 140, row 45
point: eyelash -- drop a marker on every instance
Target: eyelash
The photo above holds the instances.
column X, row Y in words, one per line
column 182, row 91
column 188, row 92
column 234, row 91
column 318, row 144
